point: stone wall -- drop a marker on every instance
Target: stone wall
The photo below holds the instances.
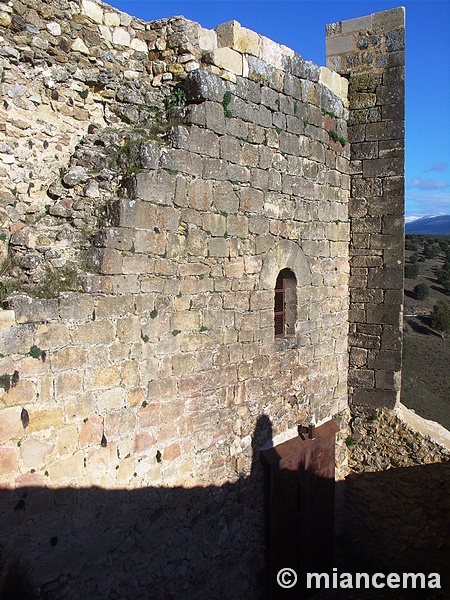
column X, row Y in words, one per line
column 157, row 179
column 69, row 69
column 370, row 52
column 192, row 239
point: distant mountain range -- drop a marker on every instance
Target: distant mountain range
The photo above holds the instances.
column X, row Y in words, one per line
column 429, row 225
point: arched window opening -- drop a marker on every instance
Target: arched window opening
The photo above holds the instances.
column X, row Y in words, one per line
column 285, row 311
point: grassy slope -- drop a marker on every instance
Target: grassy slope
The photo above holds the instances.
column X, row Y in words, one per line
column 426, row 356
column 426, row 374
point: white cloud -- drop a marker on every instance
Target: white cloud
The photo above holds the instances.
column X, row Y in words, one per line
column 440, row 166
column 425, row 202
column 427, row 184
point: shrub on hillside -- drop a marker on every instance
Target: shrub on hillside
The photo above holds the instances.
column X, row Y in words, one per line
column 412, row 271
column 431, row 250
column 440, row 317
column 422, row 291
column 412, row 242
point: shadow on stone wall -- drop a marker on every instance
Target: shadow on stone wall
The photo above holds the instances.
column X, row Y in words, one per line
column 398, row 521
column 162, row 543
column 151, row 543
column 183, row 544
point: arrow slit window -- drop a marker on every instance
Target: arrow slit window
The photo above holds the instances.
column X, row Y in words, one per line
column 285, row 303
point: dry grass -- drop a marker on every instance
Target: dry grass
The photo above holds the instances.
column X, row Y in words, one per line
column 426, row 356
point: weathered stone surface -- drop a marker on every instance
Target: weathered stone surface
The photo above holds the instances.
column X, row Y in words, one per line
column 376, row 397
column 121, row 37
column 232, row 35
column 7, row 318
column 146, row 155
column 79, row 46
column 227, row 59
column 11, row 427
column 375, row 193
column 8, row 463
column 33, row 453
column 75, row 176
column 202, row 85
column 28, row 309
column 93, row 11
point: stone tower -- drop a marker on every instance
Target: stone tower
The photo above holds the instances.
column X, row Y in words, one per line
column 370, row 52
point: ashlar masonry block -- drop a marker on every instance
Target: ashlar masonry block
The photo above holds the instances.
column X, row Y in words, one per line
column 226, row 58
column 11, row 427
column 233, row 35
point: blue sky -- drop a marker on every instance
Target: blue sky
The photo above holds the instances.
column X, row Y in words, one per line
column 300, row 25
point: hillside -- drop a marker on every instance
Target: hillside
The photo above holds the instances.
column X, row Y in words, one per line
column 429, row 226
column 426, row 354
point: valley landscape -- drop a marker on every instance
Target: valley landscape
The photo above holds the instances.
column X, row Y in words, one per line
column 426, row 350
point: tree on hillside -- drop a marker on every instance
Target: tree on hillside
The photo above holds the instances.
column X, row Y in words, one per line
column 412, row 242
column 411, row 271
column 431, row 250
column 443, row 276
column 422, row 291
column 440, row 317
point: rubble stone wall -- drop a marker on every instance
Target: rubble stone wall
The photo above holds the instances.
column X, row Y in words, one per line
column 157, row 178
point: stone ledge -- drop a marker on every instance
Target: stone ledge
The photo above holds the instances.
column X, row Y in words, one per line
column 424, row 426
column 32, row 310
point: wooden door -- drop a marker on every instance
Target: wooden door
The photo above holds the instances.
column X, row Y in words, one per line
column 300, row 509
